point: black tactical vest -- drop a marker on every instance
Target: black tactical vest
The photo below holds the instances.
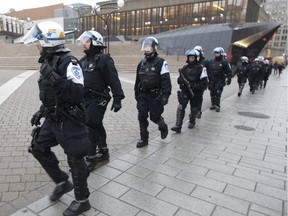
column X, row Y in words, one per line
column 149, row 74
column 46, row 94
column 217, row 69
column 192, row 73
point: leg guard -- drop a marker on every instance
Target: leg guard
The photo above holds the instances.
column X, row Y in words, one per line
column 192, row 118
column 180, row 113
column 143, row 123
column 49, row 162
column 79, row 173
column 163, row 128
column 94, row 138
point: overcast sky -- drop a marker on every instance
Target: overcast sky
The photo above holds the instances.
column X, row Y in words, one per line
column 20, row 4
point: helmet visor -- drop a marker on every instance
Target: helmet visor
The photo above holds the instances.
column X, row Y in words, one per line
column 147, row 46
column 33, row 35
column 84, row 37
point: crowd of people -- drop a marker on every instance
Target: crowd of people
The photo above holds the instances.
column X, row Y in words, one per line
column 75, row 95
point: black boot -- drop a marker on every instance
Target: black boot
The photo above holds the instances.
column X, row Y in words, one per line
column 144, row 134
column 192, row 118
column 199, row 114
column 102, row 154
column 91, row 162
column 179, row 120
column 60, row 190
column 77, row 208
column 141, row 143
column 163, row 128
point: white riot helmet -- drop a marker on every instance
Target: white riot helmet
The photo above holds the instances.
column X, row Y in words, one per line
column 47, row 33
column 261, row 58
column 244, row 59
column 150, row 44
column 95, row 37
column 267, row 61
column 193, row 52
column 218, row 50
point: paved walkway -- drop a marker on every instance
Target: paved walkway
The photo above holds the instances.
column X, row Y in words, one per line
column 233, row 163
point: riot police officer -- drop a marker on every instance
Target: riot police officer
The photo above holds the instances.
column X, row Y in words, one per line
column 242, row 71
column 255, row 72
column 61, row 94
column 219, row 71
column 203, row 62
column 268, row 69
column 192, row 81
column 262, row 71
column 100, row 75
column 152, row 90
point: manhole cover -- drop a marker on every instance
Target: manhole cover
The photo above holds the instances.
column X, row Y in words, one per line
column 254, row 115
column 242, row 127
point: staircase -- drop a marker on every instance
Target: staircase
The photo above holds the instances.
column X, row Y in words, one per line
column 126, row 55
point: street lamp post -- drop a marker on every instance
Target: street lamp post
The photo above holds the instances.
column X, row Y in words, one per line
column 114, row 7
column 81, row 11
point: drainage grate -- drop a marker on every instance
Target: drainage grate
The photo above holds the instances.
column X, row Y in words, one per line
column 242, row 127
column 254, row 115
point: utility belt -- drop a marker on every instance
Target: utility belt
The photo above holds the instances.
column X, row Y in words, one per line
column 75, row 113
column 155, row 92
column 102, row 95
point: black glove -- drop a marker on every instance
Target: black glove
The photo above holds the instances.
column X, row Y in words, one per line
column 35, row 120
column 228, row 81
column 116, row 105
column 48, row 73
column 164, row 100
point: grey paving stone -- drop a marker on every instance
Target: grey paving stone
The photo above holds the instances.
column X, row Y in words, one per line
column 254, row 197
column 170, row 182
column 107, row 172
column 149, row 204
column 220, row 199
column 130, row 158
column 260, row 178
column 197, row 179
column 176, row 154
column 119, row 164
column 253, row 213
column 158, row 158
column 139, row 171
column 233, row 180
column 24, row 212
column 139, row 184
column 185, row 166
column 142, row 153
column 219, row 211
column 57, row 209
column 183, row 212
column 143, row 213
column 186, row 202
column 158, row 167
column 213, row 166
column 114, row 189
column 40, row 205
column 265, row 210
column 112, row 206
column 96, row 181
column 264, row 164
column 271, row 191
column 253, row 155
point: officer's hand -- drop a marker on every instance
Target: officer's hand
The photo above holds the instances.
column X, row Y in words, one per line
column 35, row 120
column 164, row 100
column 116, row 105
column 228, row 81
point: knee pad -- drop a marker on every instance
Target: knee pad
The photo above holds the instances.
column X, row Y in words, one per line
column 46, row 157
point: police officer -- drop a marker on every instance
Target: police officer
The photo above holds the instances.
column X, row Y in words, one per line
column 61, row 94
column 242, row 71
column 192, row 82
column 256, row 70
column 268, row 69
column 100, row 75
column 203, row 62
column 262, row 71
column 152, row 90
column 219, row 71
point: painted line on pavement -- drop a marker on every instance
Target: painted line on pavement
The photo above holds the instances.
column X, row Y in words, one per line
column 13, row 84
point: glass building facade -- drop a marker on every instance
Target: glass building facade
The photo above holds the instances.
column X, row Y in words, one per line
column 139, row 18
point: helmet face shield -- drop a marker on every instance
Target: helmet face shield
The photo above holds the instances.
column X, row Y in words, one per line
column 84, row 37
column 33, row 36
column 149, row 45
column 48, row 33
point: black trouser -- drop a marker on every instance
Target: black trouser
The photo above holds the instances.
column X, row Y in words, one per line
column 95, row 111
column 147, row 104
column 200, row 101
column 73, row 138
column 216, row 91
